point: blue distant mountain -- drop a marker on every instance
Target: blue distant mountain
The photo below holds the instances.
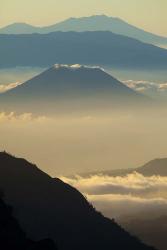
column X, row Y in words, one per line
column 19, row 28
column 70, row 80
column 70, row 87
column 92, row 23
column 102, row 48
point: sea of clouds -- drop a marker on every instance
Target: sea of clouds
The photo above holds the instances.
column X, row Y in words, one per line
column 128, row 195
column 150, row 88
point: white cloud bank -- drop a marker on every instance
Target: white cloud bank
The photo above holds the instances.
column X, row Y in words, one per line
column 118, row 196
column 6, row 87
column 143, row 86
column 20, row 118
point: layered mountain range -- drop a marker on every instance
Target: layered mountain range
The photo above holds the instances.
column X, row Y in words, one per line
column 92, row 23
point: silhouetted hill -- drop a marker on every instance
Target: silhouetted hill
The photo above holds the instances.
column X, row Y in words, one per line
column 92, row 23
column 91, row 48
column 13, row 237
column 47, row 207
column 64, row 86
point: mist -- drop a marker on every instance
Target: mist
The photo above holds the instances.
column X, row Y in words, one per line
column 70, row 144
column 136, row 202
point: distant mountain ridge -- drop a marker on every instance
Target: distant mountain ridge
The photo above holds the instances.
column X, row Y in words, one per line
column 47, row 207
column 91, row 23
column 102, row 48
column 153, row 167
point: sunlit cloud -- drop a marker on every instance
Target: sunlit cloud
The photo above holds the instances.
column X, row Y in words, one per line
column 135, row 184
column 153, row 89
column 142, row 86
column 115, row 196
column 115, row 206
column 75, row 66
column 25, row 117
column 6, row 87
column 163, row 86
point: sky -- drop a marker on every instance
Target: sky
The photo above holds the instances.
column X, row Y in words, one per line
column 147, row 14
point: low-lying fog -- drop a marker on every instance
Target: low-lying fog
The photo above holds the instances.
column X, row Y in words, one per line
column 73, row 144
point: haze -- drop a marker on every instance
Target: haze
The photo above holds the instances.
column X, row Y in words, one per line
column 81, row 143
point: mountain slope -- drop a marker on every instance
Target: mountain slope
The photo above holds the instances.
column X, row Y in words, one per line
column 90, row 48
column 154, row 167
column 47, row 207
column 65, row 85
column 92, row 23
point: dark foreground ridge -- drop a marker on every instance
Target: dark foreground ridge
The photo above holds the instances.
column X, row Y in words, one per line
column 49, row 208
column 13, row 237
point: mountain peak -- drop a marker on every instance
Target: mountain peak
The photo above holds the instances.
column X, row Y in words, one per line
column 90, row 87
column 19, row 24
column 100, row 16
column 19, row 28
column 103, row 17
column 5, row 155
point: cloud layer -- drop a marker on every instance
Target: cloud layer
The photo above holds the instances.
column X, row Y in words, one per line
column 6, row 87
column 118, row 196
column 146, row 86
column 20, row 118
